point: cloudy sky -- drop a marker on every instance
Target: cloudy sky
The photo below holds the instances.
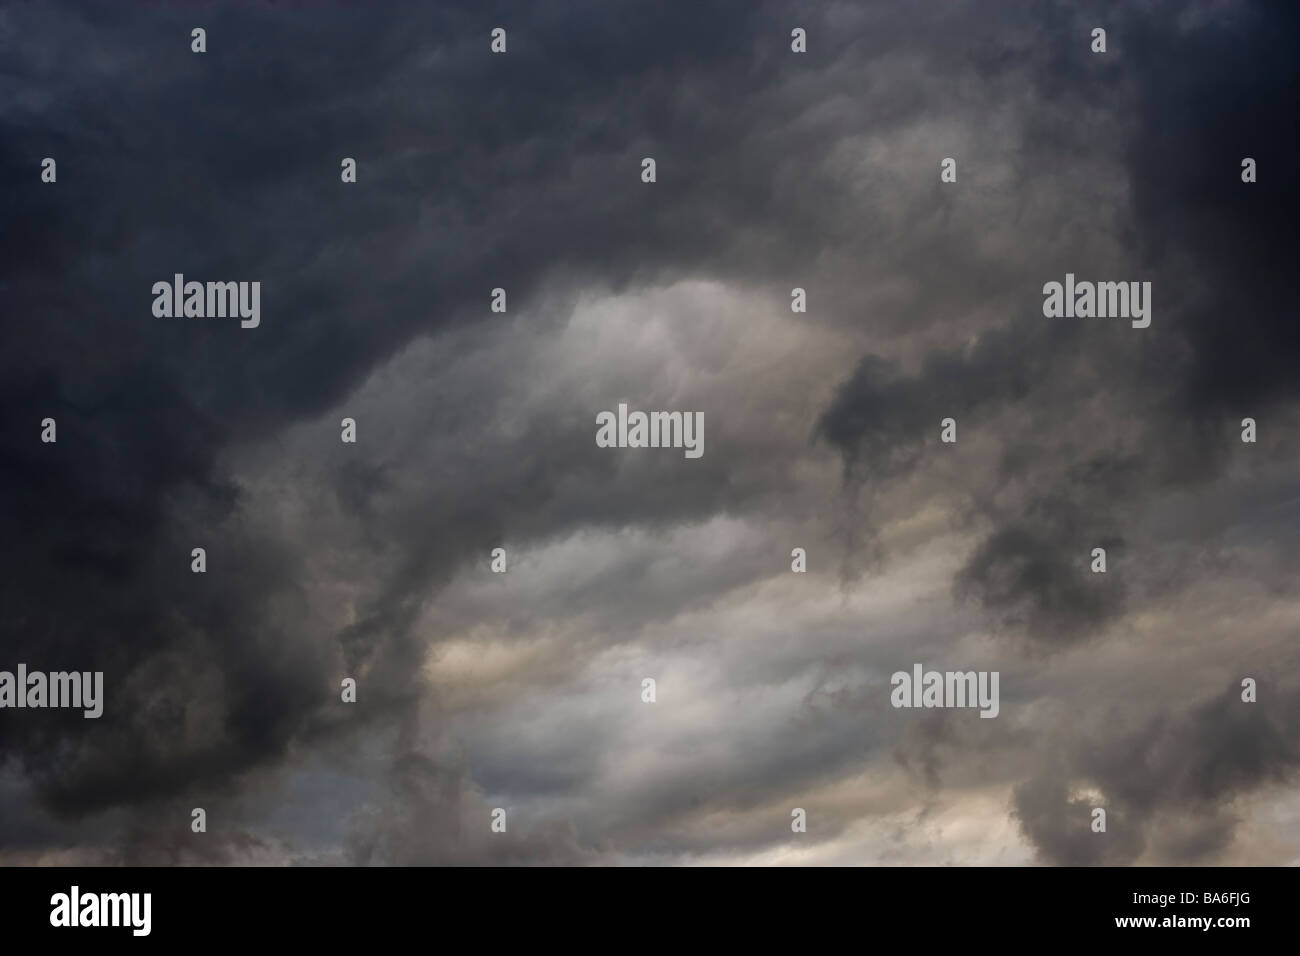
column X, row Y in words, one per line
column 475, row 430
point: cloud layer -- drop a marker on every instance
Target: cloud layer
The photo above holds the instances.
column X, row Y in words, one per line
column 476, row 431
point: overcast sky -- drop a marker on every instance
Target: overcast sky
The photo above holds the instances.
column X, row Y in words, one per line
column 475, row 430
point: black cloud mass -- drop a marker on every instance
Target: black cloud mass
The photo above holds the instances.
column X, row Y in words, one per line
column 475, row 430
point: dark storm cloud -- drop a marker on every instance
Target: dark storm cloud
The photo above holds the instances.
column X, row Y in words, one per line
column 883, row 419
column 1206, row 88
column 474, row 172
column 523, row 171
column 1199, row 223
column 1218, row 252
column 1189, row 767
column 1224, row 252
column 1029, row 573
column 1030, row 570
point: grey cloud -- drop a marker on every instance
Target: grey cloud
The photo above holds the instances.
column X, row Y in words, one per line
column 521, row 171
